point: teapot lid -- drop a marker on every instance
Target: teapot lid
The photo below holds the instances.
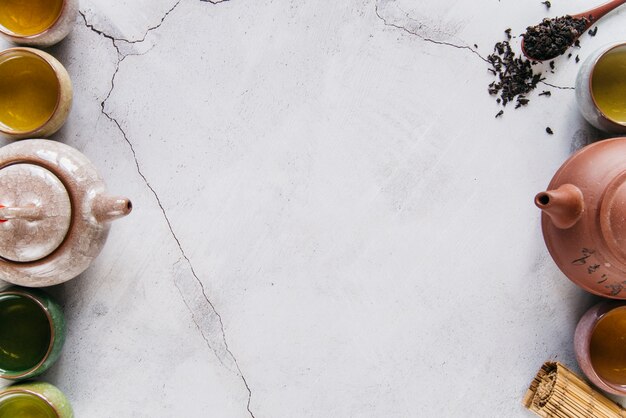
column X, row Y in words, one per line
column 612, row 215
column 35, row 212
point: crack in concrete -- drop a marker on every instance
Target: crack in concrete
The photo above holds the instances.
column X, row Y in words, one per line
column 129, row 41
column 558, row 87
column 151, row 28
column 433, row 41
column 120, row 58
column 426, row 39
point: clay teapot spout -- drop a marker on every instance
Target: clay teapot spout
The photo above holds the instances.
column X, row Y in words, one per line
column 109, row 208
column 564, row 205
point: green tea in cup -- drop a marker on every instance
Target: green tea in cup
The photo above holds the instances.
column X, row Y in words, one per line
column 35, row 93
column 34, row 400
column 608, row 84
column 27, row 405
column 29, row 91
column 24, row 332
column 31, row 333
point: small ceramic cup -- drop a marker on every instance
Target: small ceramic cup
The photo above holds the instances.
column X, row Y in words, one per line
column 36, row 399
column 587, row 102
column 35, row 93
column 37, row 22
column 599, row 342
column 32, row 332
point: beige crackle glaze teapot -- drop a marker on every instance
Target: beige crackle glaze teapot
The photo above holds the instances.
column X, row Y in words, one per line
column 54, row 213
column 584, row 218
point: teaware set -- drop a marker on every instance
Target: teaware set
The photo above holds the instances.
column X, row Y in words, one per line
column 584, row 227
column 55, row 212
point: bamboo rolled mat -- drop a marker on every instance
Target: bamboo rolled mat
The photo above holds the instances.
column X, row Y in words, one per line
column 557, row 392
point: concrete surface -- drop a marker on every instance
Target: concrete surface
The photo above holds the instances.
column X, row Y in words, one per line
column 329, row 221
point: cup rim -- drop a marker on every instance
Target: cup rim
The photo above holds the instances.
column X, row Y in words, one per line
column 41, row 55
column 22, row 374
column 14, row 35
column 13, row 391
column 608, row 49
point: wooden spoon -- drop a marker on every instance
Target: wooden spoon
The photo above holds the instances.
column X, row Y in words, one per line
column 591, row 16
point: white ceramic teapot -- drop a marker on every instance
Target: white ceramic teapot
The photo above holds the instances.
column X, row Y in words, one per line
column 54, row 213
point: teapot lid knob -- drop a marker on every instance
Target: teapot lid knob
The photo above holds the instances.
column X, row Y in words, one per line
column 35, row 212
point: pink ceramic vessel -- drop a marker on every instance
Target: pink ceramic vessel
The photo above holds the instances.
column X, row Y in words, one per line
column 583, row 218
column 55, row 213
column 582, row 341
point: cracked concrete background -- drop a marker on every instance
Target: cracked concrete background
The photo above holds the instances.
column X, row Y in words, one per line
column 329, row 221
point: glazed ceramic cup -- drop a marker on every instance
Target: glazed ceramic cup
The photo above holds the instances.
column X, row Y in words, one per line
column 55, row 115
column 37, row 22
column 587, row 103
column 37, row 399
column 32, row 332
column 585, row 330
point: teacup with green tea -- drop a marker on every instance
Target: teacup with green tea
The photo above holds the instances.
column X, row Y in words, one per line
column 35, row 93
column 601, row 88
column 34, row 400
column 32, row 332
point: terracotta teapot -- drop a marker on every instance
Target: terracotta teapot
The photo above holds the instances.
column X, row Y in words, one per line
column 584, row 218
column 54, row 213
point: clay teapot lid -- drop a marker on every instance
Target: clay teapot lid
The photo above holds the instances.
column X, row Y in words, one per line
column 612, row 216
column 35, row 212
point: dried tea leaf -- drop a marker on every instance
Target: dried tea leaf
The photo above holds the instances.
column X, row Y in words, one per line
column 552, row 37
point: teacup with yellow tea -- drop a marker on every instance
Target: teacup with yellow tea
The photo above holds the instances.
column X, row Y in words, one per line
column 35, row 93
column 601, row 88
column 608, row 84
column 37, row 22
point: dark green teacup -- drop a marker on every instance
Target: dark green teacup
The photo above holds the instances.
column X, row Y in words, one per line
column 32, row 332
column 36, row 400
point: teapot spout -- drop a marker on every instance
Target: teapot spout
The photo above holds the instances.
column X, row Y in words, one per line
column 564, row 205
column 109, row 208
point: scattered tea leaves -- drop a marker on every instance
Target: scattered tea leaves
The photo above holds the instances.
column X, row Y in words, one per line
column 552, row 37
column 547, row 3
column 508, row 33
column 577, row 59
column 592, row 32
column 549, row 131
column 521, row 101
column 500, row 113
column 515, row 75
column 545, row 93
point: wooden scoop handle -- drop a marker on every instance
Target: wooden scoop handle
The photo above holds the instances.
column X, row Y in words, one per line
column 596, row 13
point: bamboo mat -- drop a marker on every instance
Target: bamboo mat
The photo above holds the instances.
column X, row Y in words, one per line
column 559, row 393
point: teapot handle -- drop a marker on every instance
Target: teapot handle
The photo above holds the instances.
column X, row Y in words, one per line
column 27, row 213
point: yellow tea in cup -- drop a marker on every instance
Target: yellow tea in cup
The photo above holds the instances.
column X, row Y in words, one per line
column 608, row 347
column 29, row 17
column 27, row 405
column 29, row 91
column 608, row 84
